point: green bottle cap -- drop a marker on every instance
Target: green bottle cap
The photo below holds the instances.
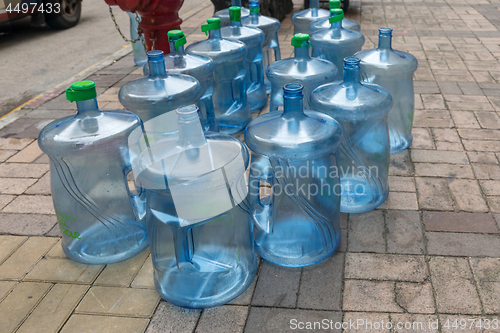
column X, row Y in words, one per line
column 177, row 37
column 336, row 15
column 299, row 39
column 81, row 91
column 254, row 8
column 333, row 4
column 213, row 24
column 235, row 13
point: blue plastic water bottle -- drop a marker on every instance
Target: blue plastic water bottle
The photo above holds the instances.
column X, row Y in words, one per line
column 89, row 164
column 361, row 109
column 140, row 57
column 254, row 71
column 303, row 19
column 232, row 109
column 198, row 66
column 154, row 97
column 301, row 69
column 197, row 214
column 393, row 70
column 324, row 23
column 270, row 27
column 224, row 13
column 294, row 152
column 336, row 43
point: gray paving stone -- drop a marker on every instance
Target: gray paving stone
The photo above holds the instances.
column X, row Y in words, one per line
column 321, row 285
column 272, row 320
column 23, row 170
column 169, row 318
column 433, row 194
column 487, row 274
column 463, row 244
column 422, row 139
column 400, row 164
column 277, row 286
column 443, row 170
column 446, row 134
column 371, row 266
column 434, row 156
column 454, row 286
column 482, row 158
column 42, row 186
column 489, row 120
column 467, row 195
column 14, row 144
column 487, row 171
column 404, row 232
column 366, row 232
column 26, row 224
column 459, row 222
column 370, row 296
column 15, row 185
column 226, row 318
column 415, row 297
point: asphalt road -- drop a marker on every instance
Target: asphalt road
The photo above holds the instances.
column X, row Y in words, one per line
column 35, row 59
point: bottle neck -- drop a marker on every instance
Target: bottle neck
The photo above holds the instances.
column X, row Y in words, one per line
column 314, row 4
column 384, row 42
column 88, row 105
column 235, row 23
column 302, row 52
column 190, row 130
column 236, row 3
column 157, row 68
column 336, row 25
column 351, row 75
column 293, row 107
column 214, row 34
column 180, row 49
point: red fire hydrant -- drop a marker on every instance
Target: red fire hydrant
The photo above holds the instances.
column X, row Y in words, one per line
column 157, row 18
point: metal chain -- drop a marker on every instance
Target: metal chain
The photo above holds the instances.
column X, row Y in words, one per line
column 140, row 33
column 118, row 28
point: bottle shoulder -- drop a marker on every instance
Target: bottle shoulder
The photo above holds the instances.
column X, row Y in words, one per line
column 202, row 163
column 302, row 69
column 312, row 134
column 308, row 14
column 339, row 37
column 324, row 23
column 346, row 101
column 245, row 34
column 189, row 64
column 224, row 13
column 264, row 23
column 171, row 88
column 219, row 49
column 391, row 62
column 79, row 131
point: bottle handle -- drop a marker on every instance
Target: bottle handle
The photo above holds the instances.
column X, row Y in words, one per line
column 239, row 83
column 277, row 52
column 260, row 169
column 138, row 200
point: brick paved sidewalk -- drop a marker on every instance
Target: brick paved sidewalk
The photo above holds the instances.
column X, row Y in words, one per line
column 432, row 251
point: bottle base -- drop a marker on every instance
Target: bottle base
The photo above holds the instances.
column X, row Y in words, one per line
column 360, row 197
column 401, row 145
column 285, row 249
column 199, row 285
column 90, row 249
